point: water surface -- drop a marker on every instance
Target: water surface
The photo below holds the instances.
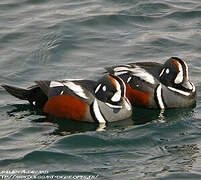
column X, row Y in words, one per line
column 76, row 39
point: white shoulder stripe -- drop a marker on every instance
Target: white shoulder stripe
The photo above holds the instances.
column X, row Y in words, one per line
column 136, row 71
column 55, row 84
column 77, row 89
column 143, row 74
column 97, row 112
column 121, row 68
column 159, row 97
column 117, row 73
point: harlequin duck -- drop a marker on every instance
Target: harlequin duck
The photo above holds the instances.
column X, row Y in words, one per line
column 155, row 85
column 83, row 100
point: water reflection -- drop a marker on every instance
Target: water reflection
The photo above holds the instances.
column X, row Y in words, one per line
column 66, row 126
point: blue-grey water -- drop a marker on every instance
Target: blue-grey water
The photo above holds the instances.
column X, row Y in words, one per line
column 58, row 39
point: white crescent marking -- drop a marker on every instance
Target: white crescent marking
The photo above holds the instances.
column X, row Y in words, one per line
column 193, row 87
column 159, row 97
column 128, row 104
column 179, row 77
column 186, row 70
column 117, row 96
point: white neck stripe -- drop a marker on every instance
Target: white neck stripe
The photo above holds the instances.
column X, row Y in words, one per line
column 113, row 106
column 179, row 91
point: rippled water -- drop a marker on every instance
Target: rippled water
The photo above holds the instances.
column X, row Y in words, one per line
column 76, row 39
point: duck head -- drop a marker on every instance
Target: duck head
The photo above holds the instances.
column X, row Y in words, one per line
column 110, row 89
column 174, row 74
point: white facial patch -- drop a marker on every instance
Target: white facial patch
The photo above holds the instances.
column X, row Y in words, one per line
column 98, row 87
column 180, row 76
column 104, row 88
column 117, row 96
column 77, row 89
column 167, row 71
column 162, row 72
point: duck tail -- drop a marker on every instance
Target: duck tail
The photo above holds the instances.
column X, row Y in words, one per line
column 17, row 92
column 34, row 94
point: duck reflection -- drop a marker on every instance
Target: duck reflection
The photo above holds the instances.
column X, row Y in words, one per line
column 67, row 126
